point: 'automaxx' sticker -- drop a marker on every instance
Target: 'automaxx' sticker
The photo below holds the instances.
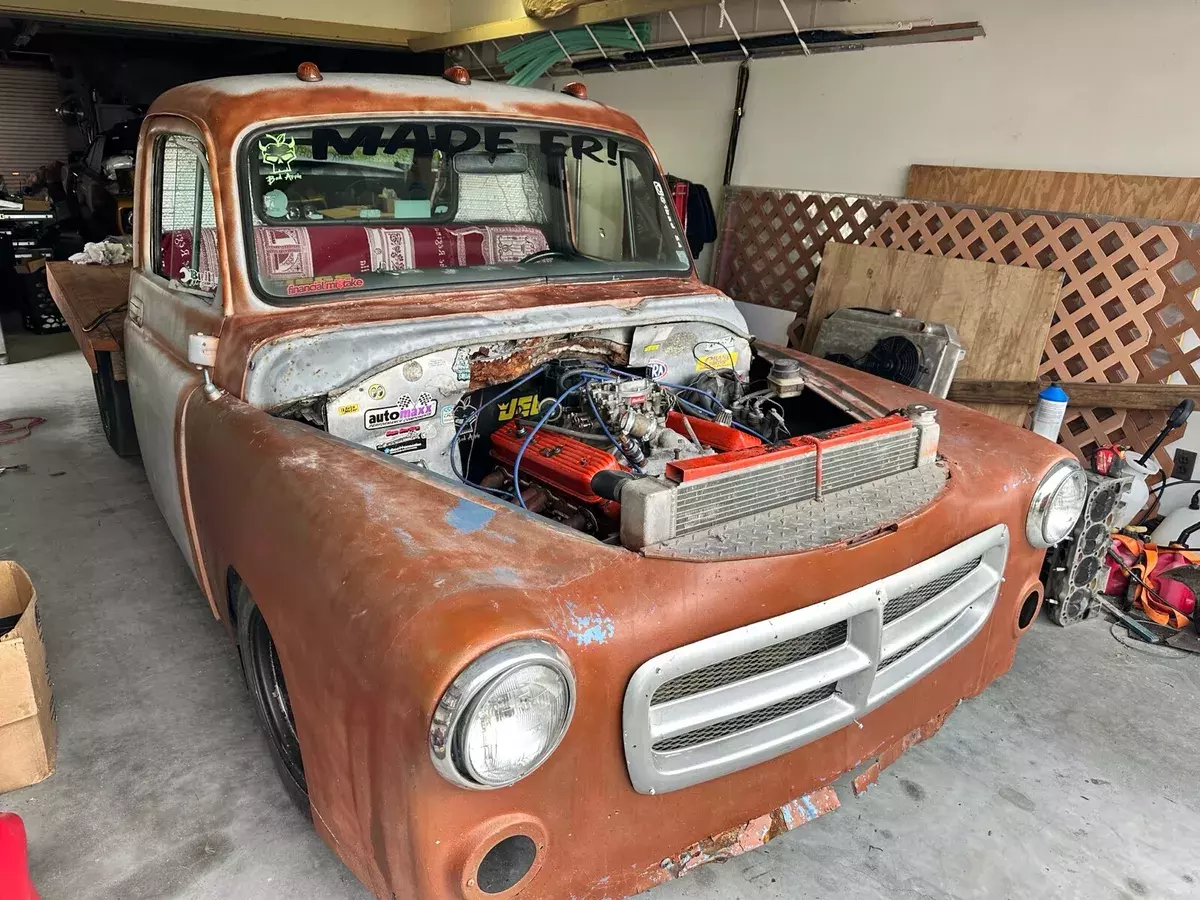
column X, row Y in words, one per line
column 405, row 410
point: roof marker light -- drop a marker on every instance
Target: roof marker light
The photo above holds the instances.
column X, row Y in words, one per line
column 576, row 89
column 308, row 71
column 457, row 75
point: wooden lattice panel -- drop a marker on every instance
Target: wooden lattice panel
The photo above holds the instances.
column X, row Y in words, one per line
column 771, row 242
column 1127, row 312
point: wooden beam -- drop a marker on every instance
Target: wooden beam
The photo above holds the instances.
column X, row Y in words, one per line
column 592, row 13
column 193, row 19
column 1113, row 396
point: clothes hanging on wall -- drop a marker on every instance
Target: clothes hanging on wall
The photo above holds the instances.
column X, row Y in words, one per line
column 695, row 210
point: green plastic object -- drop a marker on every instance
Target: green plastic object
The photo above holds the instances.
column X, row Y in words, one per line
column 529, row 60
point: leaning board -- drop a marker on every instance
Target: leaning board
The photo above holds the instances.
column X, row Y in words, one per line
column 1124, row 196
column 1002, row 313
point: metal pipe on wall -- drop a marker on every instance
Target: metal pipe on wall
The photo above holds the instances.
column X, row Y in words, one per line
column 739, row 111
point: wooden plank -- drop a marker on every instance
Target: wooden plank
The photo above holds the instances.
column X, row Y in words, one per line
column 1126, row 196
column 83, row 294
column 1087, row 394
column 1002, row 313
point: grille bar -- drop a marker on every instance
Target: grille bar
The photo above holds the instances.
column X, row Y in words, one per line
column 722, row 498
column 738, row 698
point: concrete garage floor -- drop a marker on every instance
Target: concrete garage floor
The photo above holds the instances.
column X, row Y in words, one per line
column 1075, row 775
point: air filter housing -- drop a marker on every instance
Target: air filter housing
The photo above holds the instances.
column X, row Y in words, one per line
column 919, row 354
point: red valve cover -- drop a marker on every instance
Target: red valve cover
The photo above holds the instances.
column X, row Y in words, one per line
column 554, row 459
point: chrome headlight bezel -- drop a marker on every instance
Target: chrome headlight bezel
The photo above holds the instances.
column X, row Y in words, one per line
column 1039, row 508
column 452, row 715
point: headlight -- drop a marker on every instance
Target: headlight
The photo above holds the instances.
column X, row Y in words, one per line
column 503, row 715
column 1056, row 505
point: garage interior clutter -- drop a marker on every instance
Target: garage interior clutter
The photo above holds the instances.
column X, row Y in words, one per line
column 546, row 448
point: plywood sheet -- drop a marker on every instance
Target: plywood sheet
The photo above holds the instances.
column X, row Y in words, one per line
column 1002, row 313
column 1126, row 196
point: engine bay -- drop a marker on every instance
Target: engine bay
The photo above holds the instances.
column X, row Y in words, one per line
column 562, row 425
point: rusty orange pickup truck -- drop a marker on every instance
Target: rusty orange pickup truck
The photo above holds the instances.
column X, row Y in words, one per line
column 526, row 544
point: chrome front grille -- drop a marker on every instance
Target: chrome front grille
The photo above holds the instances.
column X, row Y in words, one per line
column 907, row 602
column 748, row 695
column 739, row 668
column 722, row 498
column 745, row 721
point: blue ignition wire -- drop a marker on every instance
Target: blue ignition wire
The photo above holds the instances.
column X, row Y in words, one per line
column 533, row 431
column 471, row 418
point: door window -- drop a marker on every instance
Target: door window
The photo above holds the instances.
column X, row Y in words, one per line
column 186, row 233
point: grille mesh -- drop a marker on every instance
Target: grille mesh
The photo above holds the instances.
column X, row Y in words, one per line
column 906, row 603
column 745, row 721
column 739, row 668
column 900, row 654
column 722, row 498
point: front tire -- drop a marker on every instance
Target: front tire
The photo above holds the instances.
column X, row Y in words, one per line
column 264, row 678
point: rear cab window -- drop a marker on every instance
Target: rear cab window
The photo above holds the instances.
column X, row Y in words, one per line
column 354, row 206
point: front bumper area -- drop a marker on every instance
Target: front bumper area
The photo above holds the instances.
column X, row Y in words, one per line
column 739, row 698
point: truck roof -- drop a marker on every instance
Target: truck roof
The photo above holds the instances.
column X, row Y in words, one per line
column 228, row 106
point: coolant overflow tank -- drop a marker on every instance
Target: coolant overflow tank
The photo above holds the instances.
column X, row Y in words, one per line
column 785, row 377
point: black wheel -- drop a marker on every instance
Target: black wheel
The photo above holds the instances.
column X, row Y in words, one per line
column 264, row 677
column 116, row 412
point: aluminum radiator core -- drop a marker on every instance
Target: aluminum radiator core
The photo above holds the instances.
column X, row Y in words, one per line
column 708, row 491
column 920, row 354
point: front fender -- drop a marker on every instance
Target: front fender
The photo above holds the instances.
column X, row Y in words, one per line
column 342, row 549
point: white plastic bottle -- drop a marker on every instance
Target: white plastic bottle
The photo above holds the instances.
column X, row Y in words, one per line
column 1049, row 412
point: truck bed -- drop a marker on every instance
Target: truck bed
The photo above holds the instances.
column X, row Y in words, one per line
column 92, row 299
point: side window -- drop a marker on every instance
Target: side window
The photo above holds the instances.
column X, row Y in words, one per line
column 186, row 235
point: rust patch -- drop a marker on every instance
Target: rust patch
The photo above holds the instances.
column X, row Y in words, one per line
column 500, row 363
column 895, row 750
column 749, row 836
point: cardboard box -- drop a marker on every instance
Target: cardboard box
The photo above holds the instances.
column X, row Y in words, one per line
column 37, row 204
column 28, row 740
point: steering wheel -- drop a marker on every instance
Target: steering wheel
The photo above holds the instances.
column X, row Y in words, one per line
column 539, row 255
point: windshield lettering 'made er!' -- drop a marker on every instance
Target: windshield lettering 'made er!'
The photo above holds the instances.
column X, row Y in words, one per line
column 350, row 207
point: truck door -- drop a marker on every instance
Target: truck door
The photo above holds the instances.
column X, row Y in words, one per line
column 174, row 291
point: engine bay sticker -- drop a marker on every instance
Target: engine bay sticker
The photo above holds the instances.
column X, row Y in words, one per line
column 447, row 415
column 403, row 445
column 656, row 368
column 406, row 410
column 377, row 391
column 462, row 365
column 720, row 359
column 525, row 407
column 347, row 409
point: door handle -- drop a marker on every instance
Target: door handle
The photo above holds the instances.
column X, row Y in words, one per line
column 135, row 310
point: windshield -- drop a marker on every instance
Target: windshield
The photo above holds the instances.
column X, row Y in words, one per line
column 359, row 206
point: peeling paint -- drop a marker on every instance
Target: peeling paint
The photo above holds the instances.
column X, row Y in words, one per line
column 588, row 629
column 468, row 517
column 749, row 836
